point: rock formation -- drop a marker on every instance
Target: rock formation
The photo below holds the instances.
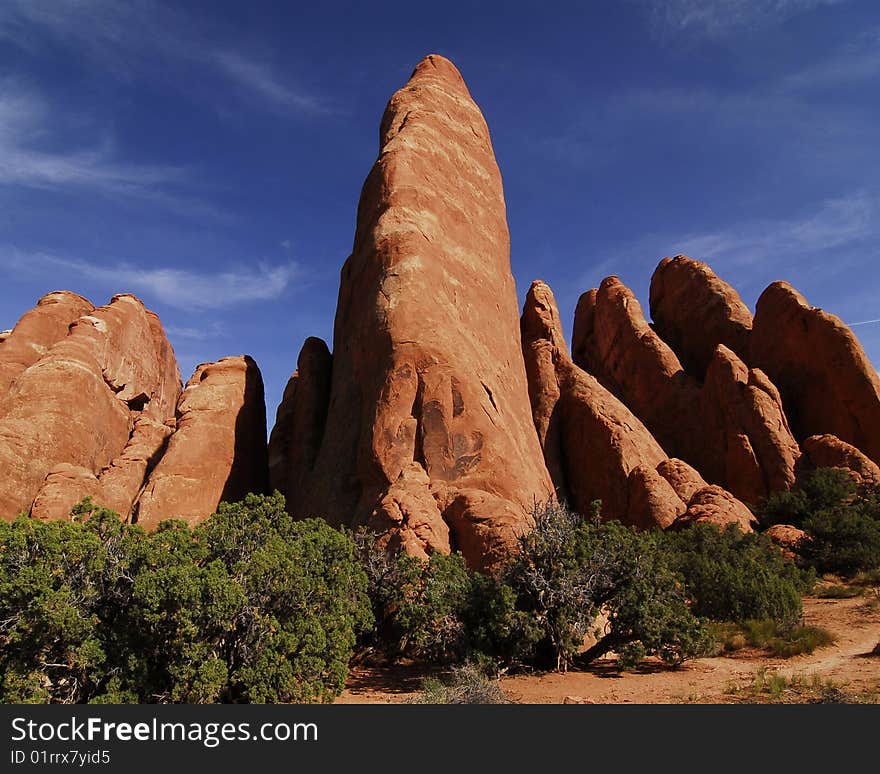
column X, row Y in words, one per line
column 218, row 450
column 827, row 383
column 732, row 427
column 299, row 424
column 746, row 442
column 442, row 418
column 429, row 436
column 77, row 404
column 597, row 449
column 116, row 487
column 787, row 538
column 91, row 407
column 613, row 341
column 694, row 311
column 828, row 451
column 40, row 328
column 717, row 506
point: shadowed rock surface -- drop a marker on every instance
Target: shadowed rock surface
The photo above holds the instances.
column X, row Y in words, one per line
column 613, row 341
column 827, row 383
column 787, row 538
column 732, row 428
column 746, row 441
column 299, row 424
column 828, row 451
column 596, row 448
column 218, row 450
column 694, row 311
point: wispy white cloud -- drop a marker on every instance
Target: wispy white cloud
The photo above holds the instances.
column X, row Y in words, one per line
column 855, row 63
column 148, row 38
column 815, row 246
column 799, row 104
column 719, row 18
column 258, row 79
column 864, row 322
column 203, row 333
column 837, row 222
column 27, row 158
column 190, row 289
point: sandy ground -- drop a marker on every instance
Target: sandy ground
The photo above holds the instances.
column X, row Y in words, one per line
column 848, row 663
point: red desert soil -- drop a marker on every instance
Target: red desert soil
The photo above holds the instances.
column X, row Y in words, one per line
column 848, row 663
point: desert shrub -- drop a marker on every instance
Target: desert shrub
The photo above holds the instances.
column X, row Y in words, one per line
column 499, row 631
column 785, row 641
column 428, row 618
column 866, row 578
column 304, row 600
column 727, row 636
column 466, row 684
column 418, row 605
column 569, row 569
column 780, row 641
column 537, row 607
column 731, row 575
column 842, row 521
column 643, row 598
column 823, row 489
column 839, row 591
column 551, row 581
column 62, row 588
column 249, row 606
column 843, row 540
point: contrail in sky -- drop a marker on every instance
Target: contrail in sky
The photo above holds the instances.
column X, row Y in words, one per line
column 863, row 322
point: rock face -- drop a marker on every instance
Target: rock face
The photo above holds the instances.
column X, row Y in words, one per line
column 597, row 449
column 217, row 452
column 828, row 451
column 40, row 328
column 116, row 487
column 78, row 403
column 591, row 441
column 91, row 409
column 732, row 427
column 787, row 538
column 827, row 383
column 747, row 443
column 694, row 311
column 717, row 506
column 429, row 437
column 299, row 424
column 613, row 341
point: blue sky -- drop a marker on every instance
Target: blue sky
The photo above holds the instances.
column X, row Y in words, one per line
column 208, row 156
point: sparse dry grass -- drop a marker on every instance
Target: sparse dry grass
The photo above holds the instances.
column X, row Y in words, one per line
column 769, row 636
column 769, row 687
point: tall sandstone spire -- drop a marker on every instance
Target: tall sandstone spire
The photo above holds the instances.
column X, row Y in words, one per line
column 429, row 436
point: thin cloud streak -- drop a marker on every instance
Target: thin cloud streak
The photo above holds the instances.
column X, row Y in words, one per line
column 179, row 288
column 24, row 116
column 834, row 224
column 794, row 103
column 258, row 79
column 849, row 226
column 195, row 334
column 715, row 19
column 143, row 37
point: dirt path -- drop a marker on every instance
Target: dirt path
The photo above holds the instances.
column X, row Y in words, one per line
column 854, row 622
